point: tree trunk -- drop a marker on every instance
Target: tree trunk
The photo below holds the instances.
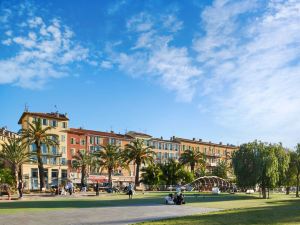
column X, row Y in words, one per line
column 192, row 168
column 40, row 166
column 264, row 192
column 16, row 175
column 287, row 190
column 82, row 176
column 110, row 177
column 137, row 176
column 297, row 188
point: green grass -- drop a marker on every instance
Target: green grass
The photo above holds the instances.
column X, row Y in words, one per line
column 237, row 208
column 241, row 209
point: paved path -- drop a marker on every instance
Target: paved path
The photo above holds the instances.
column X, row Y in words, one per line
column 101, row 215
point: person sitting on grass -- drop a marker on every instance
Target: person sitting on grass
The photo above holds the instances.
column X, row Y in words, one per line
column 179, row 199
column 169, row 200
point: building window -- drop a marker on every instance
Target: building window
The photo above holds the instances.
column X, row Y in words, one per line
column 34, row 173
column 72, row 151
column 183, row 147
column 91, row 140
column 44, row 159
column 53, row 161
column 64, row 124
column 53, row 123
column 33, row 148
column 54, row 173
column 82, row 142
column 63, row 149
column 44, row 149
column 45, row 122
column 63, row 138
column 63, row 161
column 73, row 140
column 64, row 174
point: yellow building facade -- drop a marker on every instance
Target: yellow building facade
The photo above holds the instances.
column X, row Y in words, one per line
column 54, row 158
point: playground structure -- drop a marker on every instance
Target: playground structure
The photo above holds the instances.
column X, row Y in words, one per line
column 207, row 183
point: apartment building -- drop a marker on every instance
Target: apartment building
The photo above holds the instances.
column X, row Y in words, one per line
column 54, row 158
column 5, row 135
column 214, row 153
column 91, row 141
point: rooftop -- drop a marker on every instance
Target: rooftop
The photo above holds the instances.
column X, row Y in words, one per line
column 51, row 115
column 82, row 131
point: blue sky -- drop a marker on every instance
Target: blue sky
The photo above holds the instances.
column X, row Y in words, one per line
column 218, row 70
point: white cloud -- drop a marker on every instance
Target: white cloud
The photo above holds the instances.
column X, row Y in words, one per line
column 154, row 57
column 252, row 67
column 140, row 23
column 106, row 64
column 45, row 50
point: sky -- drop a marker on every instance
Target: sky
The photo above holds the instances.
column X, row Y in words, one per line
column 222, row 70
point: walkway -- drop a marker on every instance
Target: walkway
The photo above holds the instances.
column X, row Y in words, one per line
column 101, row 215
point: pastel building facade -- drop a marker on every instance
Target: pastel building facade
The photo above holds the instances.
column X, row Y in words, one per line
column 91, row 141
column 58, row 160
column 54, row 158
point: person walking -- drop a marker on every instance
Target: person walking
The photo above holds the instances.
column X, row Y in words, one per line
column 70, row 187
column 130, row 191
column 20, row 189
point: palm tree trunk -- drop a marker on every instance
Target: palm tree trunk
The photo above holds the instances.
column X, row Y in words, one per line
column 82, row 176
column 137, row 175
column 297, row 188
column 192, row 168
column 40, row 166
column 110, row 177
column 16, row 175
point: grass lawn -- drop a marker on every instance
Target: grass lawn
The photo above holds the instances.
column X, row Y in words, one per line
column 238, row 208
column 242, row 209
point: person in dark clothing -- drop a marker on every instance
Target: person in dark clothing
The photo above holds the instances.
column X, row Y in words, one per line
column 97, row 189
column 20, row 188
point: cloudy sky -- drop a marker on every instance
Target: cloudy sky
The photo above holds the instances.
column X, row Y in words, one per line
column 218, row 70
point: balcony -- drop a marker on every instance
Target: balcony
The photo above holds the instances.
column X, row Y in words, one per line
column 49, row 154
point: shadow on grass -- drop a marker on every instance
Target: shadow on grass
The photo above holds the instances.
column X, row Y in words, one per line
column 98, row 202
column 281, row 212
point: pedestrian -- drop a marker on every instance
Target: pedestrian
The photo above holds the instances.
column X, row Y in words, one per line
column 130, row 191
column 97, row 189
column 70, row 188
column 20, row 189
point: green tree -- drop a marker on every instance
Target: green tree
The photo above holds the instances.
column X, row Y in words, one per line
column 291, row 173
column 82, row 160
column 37, row 135
column 139, row 154
column 296, row 161
column 15, row 154
column 283, row 158
column 246, row 165
column 256, row 163
column 173, row 173
column 193, row 158
column 269, row 169
column 110, row 158
column 6, row 177
column 220, row 170
column 151, row 175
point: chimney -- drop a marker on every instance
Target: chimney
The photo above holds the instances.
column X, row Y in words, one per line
column 161, row 138
column 112, row 131
column 200, row 140
column 194, row 139
column 220, row 143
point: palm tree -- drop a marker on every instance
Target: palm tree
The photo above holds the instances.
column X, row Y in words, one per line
column 82, row 160
column 151, row 176
column 38, row 136
column 110, row 158
column 173, row 173
column 139, row 154
column 194, row 158
column 15, row 154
